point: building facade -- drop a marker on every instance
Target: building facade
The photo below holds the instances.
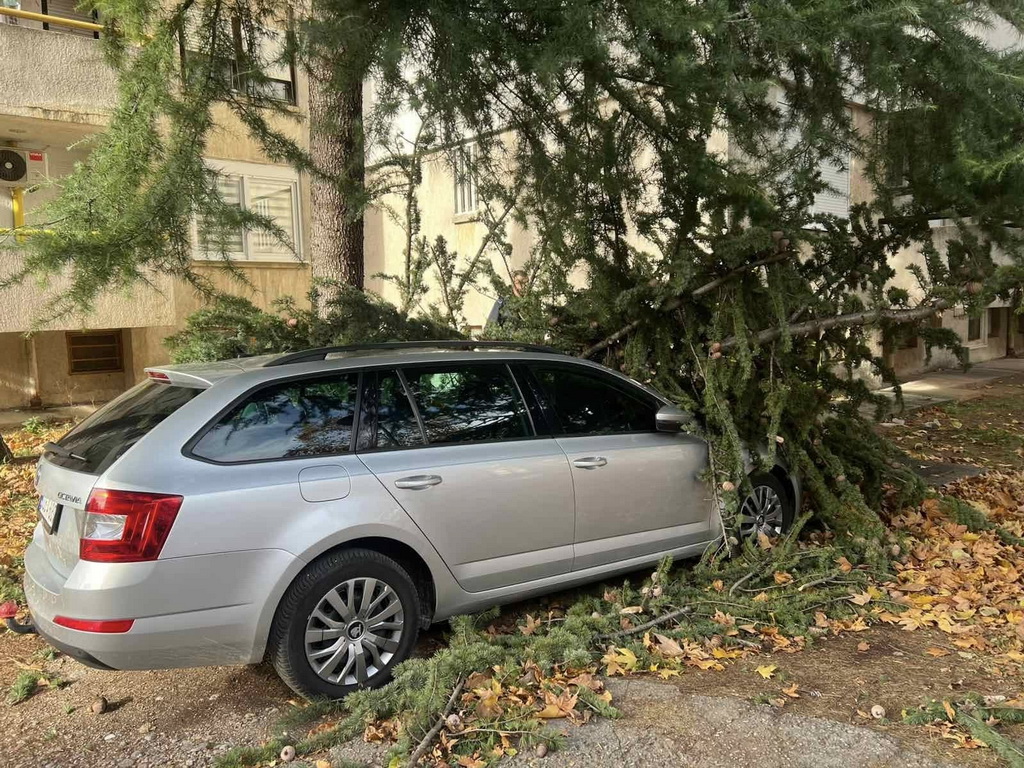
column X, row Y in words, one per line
column 56, row 93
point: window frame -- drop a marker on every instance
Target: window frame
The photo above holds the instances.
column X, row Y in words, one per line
column 623, row 385
column 264, row 173
column 982, row 339
column 239, row 82
column 188, row 449
column 400, row 369
column 467, row 186
column 995, row 330
column 118, row 335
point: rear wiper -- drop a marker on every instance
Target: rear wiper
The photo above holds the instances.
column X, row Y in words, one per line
column 64, row 453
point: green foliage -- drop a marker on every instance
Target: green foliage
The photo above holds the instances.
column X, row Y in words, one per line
column 235, row 327
column 980, row 717
column 34, row 426
column 24, row 685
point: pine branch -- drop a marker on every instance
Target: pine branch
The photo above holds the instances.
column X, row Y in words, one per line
column 851, row 320
column 674, row 302
column 424, row 745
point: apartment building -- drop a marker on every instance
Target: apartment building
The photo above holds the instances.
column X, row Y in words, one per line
column 452, row 207
column 56, row 93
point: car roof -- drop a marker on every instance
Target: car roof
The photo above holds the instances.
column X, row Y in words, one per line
column 254, row 371
column 351, row 356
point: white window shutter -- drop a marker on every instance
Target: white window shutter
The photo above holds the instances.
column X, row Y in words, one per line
column 836, row 199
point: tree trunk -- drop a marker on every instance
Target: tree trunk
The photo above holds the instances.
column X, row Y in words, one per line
column 336, row 148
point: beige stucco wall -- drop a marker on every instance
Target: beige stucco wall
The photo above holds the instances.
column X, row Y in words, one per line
column 384, row 239
column 54, row 76
column 14, row 372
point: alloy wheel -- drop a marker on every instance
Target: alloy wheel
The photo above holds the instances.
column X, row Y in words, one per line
column 762, row 512
column 354, row 631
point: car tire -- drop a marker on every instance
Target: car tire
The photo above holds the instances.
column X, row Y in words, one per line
column 330, row 598
column 767, row 507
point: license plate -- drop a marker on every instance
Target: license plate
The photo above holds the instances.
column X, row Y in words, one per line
column 49, row 513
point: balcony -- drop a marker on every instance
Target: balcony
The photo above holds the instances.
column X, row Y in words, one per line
column 53, row 71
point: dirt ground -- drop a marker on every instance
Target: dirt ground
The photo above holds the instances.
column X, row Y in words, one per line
column 189, row 717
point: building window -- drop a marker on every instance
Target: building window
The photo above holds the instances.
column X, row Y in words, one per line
column 467, row 198
column 95, row 352
column 274, row 196
column 906, row 337
column 974, row 328
column 995, row 323
column 834, row 200
column 269, row 53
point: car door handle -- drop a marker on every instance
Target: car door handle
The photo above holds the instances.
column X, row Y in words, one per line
column 417, row 482
column 590, row 462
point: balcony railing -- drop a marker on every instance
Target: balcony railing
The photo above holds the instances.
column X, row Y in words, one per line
column 55, row 15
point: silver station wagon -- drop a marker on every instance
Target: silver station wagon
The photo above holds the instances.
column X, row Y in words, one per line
column 320, row 508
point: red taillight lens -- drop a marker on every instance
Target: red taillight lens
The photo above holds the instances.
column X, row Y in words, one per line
column 125, row 526
column 95, row 625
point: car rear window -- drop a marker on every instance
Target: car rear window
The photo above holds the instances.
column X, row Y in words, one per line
column 117, row 426
column 308, row 417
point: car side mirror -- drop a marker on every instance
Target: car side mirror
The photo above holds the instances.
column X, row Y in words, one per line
column 672, row 418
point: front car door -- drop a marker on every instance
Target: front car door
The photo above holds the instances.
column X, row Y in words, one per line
column 638, row 491
column 456, row 447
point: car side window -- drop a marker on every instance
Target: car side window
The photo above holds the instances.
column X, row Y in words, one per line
column 590, row 404
column 309, row 417
column 386, row 416
column 468, row 403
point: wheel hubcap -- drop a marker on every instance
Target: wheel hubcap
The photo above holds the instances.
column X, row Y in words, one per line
column 761, row 512
column 354, row 631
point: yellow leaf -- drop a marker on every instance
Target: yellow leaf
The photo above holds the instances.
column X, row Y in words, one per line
column 722, row 653
column 950, row 712
column 633, row 609
column 323, row 764
column 620, row 661
column 761, row 597
column 665, row 674
column 717, row 585
column 767, row 671
column 862, row 599
column 466, row 761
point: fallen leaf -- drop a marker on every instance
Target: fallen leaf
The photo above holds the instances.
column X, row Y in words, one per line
column 531, row 626
column 792, row 691
column 937, row 652
column 863, row 646
column 767, row 671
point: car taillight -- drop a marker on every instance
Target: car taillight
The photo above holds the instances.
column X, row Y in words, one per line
column 104, row 626
column 125, row 526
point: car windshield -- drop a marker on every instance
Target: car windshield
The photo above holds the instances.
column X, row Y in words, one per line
column 99, row 440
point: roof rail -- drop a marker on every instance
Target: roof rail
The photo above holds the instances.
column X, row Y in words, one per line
column 321, row 353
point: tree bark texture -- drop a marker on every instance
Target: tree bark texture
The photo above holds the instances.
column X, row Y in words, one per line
column 338, row 192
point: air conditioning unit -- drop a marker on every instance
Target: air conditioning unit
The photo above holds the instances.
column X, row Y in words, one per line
column 22, row 167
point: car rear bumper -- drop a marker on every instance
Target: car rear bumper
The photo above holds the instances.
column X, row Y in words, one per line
column 187, row 612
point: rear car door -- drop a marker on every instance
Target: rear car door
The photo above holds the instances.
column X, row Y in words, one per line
column 283, row 448
column 455, row 445
column 637, row 490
